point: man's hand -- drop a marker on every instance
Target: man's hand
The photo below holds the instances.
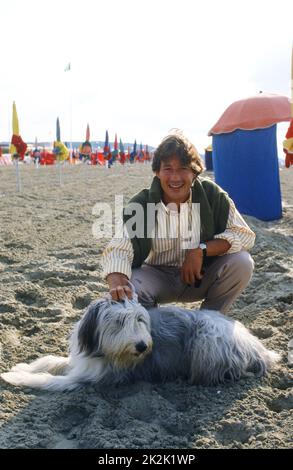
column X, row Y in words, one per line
column 192, row 266
column 118, row 286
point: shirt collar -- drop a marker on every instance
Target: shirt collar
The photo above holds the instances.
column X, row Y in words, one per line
column 168, row 211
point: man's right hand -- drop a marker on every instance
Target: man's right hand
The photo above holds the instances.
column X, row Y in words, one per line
column 118, row 286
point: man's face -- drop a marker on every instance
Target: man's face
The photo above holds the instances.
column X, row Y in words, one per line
column 176, row 180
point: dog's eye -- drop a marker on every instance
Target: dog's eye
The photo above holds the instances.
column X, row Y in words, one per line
column 141, row 320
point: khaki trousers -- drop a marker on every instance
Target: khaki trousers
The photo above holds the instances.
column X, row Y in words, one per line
column 222, row 283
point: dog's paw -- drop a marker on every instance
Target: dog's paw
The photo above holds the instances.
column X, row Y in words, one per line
column 19, row 367
column 21, row 378
column 13, row 378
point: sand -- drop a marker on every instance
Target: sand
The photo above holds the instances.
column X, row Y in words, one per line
column 50, row 271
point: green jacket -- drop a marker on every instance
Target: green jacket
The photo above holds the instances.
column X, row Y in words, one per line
column 214, row 211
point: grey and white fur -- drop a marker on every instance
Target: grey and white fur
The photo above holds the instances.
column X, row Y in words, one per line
column 122, row 342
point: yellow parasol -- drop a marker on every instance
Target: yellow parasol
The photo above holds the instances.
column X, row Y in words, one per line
column 61, row 151
column 18, row 146
column 15, row 123
column 15, row 127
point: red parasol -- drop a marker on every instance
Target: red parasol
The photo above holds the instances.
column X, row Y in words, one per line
column 257, row 112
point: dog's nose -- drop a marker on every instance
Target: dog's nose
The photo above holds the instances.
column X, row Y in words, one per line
column 141, row 346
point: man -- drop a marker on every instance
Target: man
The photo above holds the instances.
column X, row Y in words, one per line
column 197, row 248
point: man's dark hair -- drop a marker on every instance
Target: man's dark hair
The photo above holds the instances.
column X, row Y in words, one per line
column 179, row 146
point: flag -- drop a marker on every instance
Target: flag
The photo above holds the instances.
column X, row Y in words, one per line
column 68, row 67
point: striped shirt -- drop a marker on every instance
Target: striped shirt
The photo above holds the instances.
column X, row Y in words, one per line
column 169, row 240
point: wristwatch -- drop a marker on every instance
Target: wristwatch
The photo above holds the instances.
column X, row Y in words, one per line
column 203, row 247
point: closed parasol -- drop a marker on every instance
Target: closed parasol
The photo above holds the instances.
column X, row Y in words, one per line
column 87, row 137
column 58, row 136
column 18, row 146
column 59, row 149
column 133, row 153
column 122, row 152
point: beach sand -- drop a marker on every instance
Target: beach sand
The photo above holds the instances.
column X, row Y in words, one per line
column 50, row 271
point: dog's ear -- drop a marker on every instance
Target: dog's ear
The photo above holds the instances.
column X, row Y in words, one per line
column 88, row 335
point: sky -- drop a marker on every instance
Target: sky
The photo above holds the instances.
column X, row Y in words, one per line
column 138, row 67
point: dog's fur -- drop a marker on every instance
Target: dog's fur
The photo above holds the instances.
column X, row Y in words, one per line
column 121, row 342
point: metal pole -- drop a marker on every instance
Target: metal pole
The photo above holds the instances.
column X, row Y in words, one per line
column 60, row 173
column 18, row 182
column 70, row 114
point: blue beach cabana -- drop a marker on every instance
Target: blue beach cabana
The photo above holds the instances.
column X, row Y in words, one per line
column 245, row 158
column 208, row 156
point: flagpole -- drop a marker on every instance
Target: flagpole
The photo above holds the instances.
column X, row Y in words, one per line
column 68, row 69
column 292, row 82
column 70, row 111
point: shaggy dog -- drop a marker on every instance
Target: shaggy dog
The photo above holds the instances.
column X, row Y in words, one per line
column 122, row 342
